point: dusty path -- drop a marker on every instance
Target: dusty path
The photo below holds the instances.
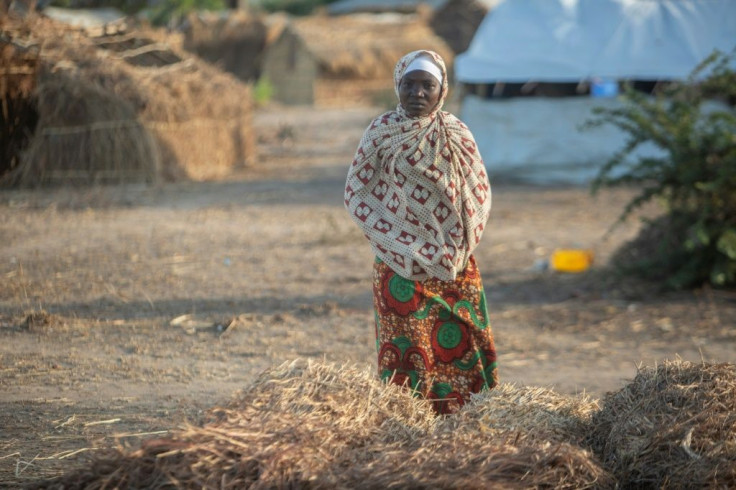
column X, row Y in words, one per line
column 129, row 310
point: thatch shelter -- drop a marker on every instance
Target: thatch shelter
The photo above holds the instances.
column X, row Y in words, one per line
column 345, row 60
column 19, row 65
column 456, row 21
column 116, row 108
column 235, row 41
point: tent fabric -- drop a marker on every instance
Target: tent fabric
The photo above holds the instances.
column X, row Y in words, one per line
column 538, row 139
column 573, row 40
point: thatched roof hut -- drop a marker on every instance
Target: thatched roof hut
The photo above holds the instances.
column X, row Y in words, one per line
column 346, row 60
column 18, row 76
column 456, row 21
column 119, row 108
column 235, row 41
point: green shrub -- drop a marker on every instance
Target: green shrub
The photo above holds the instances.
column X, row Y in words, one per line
column 263, row 90
column 695, row 177
column 167, row 10
column 294, row 7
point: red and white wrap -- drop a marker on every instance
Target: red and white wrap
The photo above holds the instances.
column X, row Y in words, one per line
column 418, row 188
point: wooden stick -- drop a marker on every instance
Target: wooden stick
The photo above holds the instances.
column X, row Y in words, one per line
column 100, row 422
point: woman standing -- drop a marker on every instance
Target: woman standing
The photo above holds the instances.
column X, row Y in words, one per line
column 418, row 189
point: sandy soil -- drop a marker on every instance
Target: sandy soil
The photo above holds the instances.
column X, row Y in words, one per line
column 127, row 311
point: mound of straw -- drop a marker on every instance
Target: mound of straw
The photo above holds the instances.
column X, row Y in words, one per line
column 315, row 425
column 674, row 426
column 131, row 107
column 539, row 413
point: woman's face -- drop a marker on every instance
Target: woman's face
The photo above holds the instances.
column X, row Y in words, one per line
column 419, row 93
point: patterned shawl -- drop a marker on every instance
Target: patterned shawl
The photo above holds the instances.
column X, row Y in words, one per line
column 418, row 188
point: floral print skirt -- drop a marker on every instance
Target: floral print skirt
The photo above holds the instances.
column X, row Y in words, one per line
column 434, row 336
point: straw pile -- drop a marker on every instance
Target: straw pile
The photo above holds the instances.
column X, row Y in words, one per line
column 539, row 413
column 674, row 426
column 126, row 108
column 314, row 425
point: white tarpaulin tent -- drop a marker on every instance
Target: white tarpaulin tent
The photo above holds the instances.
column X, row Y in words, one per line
column 558, row 41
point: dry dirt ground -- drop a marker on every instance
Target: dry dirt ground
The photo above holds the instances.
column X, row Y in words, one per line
column 127, row 311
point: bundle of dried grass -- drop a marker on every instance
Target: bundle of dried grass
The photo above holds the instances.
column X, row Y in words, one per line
column 475, row 462
column 108, row 114
column 298, row 425
column 539, row 413
column 673, row 426
column 315, row 425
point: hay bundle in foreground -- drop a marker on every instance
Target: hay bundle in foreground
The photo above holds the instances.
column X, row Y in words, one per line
column 470, row 461
column 674, row 426
column 539, row 413
column 314, row 425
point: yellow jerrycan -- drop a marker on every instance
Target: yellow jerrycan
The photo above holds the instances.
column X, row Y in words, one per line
column 571, row 260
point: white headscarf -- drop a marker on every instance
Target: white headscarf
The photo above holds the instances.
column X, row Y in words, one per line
column 425, row 64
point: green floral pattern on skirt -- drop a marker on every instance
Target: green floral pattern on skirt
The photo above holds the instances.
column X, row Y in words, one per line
column 434, row 336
